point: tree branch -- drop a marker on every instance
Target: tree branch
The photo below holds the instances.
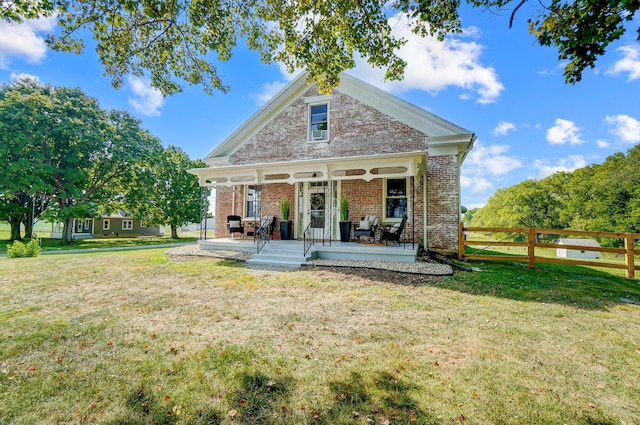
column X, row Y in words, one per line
column 513, row 14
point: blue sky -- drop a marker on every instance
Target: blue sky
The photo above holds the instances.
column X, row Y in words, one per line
column 492, row 80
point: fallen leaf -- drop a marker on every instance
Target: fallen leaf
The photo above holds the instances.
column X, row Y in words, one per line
column 436, row 363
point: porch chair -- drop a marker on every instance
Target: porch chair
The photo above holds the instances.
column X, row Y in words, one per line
column 234, row 225
column 366, row 228
column 393, row 233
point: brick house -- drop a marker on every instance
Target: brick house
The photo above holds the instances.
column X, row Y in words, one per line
column 387, row 156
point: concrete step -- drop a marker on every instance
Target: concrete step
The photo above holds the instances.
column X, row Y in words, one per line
column 280, row 255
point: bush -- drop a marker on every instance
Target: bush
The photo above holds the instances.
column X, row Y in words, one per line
column 18, row 249
column 33, row 248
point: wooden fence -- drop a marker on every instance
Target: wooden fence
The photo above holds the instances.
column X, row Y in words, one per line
column 531, row 244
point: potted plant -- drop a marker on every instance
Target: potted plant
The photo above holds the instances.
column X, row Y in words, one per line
column 345, row 224
column 286, row 226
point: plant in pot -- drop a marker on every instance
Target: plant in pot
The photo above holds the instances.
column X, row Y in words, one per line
column 345, row 224
column 286, row 226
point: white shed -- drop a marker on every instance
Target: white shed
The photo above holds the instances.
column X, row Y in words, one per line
column 577, row 253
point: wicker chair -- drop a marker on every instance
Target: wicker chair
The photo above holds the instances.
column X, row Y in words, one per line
column 393, row 233
column 234, row 225
column 366, row 228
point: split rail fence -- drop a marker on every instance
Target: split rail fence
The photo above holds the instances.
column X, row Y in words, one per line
column 531, row 244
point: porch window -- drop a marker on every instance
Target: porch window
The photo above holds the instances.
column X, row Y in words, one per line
column 395, row 198
column 319, row 122
column 87, row 224
column 250, row 201
column 106, row 224
column 127, row 224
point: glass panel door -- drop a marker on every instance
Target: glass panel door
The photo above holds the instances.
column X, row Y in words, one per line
column 317, row 212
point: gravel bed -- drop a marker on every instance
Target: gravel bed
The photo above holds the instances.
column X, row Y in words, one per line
column 419, row 267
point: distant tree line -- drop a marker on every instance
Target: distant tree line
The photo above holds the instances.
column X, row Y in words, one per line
column 66, row 158
column 600, row 197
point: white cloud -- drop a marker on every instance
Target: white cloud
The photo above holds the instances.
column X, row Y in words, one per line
column 545, row 169
column 625, row 127
column 484, row 162
column 629, row 63
column 16, row 76
column 20, row 41
column 503, row 128
column 147, row 100
column 267, row 91
column 434, row 65
column 475, row 184
column 602, row 143
column 564, row 132
column 490, row 160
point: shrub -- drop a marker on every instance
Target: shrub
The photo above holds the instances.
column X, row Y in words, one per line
column 19, row 250
column 16, row 250
column 33, row 248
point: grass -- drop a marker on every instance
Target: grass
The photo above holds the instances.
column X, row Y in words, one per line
column 139, row 338
column 54, row 244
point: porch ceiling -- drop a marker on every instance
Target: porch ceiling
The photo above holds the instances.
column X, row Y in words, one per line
column 358, row 167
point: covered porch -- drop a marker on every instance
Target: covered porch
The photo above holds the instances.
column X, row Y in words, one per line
column 314, row 188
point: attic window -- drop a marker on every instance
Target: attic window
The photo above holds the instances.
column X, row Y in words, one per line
column 319, row 122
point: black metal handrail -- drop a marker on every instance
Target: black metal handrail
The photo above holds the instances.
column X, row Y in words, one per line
column 308, row 240
column 261, row 235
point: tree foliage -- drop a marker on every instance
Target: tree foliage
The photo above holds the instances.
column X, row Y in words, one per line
column 183, row 40
column 59, row 145
column 165, row 193
column 603, row 197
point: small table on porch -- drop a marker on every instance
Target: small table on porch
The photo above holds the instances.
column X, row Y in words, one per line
column 250, row 226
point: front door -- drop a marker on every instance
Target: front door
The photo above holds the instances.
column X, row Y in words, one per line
column 314, row 209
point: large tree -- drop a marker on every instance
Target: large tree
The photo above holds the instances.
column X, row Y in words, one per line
column 164, row 192
column 24, row 112
column 184, row 39
column 59, row 144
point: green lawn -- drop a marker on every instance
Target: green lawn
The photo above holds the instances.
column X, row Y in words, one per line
column 137, row 337
column 44, row 229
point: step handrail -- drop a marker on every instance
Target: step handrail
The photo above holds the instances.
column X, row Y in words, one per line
column 308, row 240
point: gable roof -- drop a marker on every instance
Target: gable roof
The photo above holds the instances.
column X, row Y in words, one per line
column 440, row 132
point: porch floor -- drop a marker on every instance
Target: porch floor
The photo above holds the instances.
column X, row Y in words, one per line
column 275, row 250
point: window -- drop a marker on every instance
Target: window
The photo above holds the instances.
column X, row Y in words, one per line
column 143, row 224
column 87, row 224
column 319, row 122
column 395, row 198
column 127, row 224
column 250, row 201
column 106, row 224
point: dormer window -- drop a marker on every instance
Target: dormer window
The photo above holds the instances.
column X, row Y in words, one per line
column 319, row 122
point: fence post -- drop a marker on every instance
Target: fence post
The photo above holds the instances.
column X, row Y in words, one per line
column 531, row 249
column 628, row 256
column 461, row 244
